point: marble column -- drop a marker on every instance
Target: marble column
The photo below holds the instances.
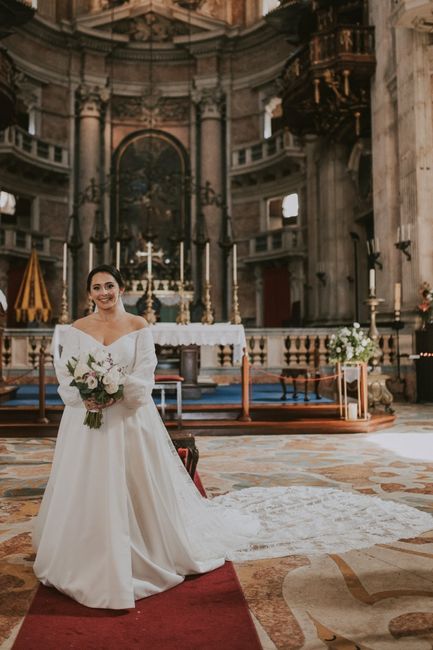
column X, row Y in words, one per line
column 90, row 103
column 415, row 145
column 385, row 156
column 334, row 221
column 211, row 101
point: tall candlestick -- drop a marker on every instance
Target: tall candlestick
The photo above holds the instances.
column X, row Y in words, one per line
column 397, row 296
column 91, row 246
column 65, row 263
column 235, row 264
column 181, row 261
column 372, row 281
column 207, row 262
column 149, row 258
column 118, row 255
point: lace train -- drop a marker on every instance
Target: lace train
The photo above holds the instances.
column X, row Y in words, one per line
column 312, row 520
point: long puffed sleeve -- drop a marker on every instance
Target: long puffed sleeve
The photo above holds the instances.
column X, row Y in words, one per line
column 71, row 348
column 138, row 385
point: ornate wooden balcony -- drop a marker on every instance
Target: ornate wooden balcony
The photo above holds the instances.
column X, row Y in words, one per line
column 326, row 81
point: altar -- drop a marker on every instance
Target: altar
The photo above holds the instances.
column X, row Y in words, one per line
column 192, row 334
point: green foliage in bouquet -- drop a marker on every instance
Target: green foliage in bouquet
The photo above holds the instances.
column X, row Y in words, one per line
column 350, row 344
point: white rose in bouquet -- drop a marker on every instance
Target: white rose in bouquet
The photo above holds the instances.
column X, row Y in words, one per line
column 91, row 382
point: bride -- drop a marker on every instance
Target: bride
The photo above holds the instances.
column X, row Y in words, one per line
column 121, row 519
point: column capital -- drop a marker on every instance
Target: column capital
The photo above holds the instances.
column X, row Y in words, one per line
column 210, row 101
column 91, row 100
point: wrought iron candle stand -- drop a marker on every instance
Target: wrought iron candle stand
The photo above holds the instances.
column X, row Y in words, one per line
column 236, row 316
column 404, row 246
column 183, row 317
column 149, row 313
column 398, row 384
column 207, row 318
column 64, row 309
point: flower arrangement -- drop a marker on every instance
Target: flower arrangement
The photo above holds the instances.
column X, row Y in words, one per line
column 426, row 304
column 350, row 344
column 97, row 377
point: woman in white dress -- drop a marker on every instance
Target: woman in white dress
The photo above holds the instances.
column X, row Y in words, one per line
column 121, row 519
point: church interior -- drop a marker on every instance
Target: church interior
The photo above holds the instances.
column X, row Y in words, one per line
column 260, row 172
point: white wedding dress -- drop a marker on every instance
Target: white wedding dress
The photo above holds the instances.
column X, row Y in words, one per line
column 121, row 519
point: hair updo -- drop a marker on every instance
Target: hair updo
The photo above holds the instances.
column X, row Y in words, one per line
column 105, row 268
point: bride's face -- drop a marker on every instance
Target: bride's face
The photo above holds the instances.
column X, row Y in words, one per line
column 105, row 291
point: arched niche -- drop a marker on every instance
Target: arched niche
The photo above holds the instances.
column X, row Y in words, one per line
column 151, row 197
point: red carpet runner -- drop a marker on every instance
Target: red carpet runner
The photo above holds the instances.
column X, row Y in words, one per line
column 205, row 612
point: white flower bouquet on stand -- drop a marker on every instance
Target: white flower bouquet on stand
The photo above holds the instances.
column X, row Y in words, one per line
column 350, row 344
column 97, row 378
column 350, row 349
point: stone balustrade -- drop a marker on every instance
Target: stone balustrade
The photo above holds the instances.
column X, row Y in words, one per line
column 269, row 350
column 280, row 144
column 34, row 149
column 17, row 240
column 289, row 240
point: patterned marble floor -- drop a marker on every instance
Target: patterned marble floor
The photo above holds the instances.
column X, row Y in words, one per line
column 374, row 599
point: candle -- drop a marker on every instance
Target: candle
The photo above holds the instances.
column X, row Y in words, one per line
column 91, row 256
column 397, row 296
column 235, row 265
column 408, row 232
column 118, row 255
column 65, row 263
column 181, row 261
column 207, row 263
column 149, row 258
column 376, row 245
column 372, row 281
column 398, row 234
column 352, row 411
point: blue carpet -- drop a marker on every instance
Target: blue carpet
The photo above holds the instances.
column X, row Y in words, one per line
column 27, row 395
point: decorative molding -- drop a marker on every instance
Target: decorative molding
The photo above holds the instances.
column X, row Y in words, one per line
column 150, row 27
column 91, row 100
column 159, row 109
column 211, row 101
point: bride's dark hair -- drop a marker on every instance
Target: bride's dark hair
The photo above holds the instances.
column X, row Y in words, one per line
column 105, row 268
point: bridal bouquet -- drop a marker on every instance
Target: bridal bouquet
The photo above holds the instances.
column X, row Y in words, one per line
column 97, row 377
column 350, row 344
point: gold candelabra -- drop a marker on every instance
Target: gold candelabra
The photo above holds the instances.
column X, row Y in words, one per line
column 373, row 302
column 64, row 310
column 149, row 313
column 236, row 315
column 183, row 317
column 207, row 318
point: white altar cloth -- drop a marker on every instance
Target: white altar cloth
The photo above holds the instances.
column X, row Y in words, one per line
column 173, row 334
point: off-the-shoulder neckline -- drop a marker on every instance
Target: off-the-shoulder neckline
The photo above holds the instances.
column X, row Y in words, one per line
column 113, row 342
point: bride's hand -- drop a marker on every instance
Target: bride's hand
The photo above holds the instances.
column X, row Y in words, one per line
column 91, row 405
